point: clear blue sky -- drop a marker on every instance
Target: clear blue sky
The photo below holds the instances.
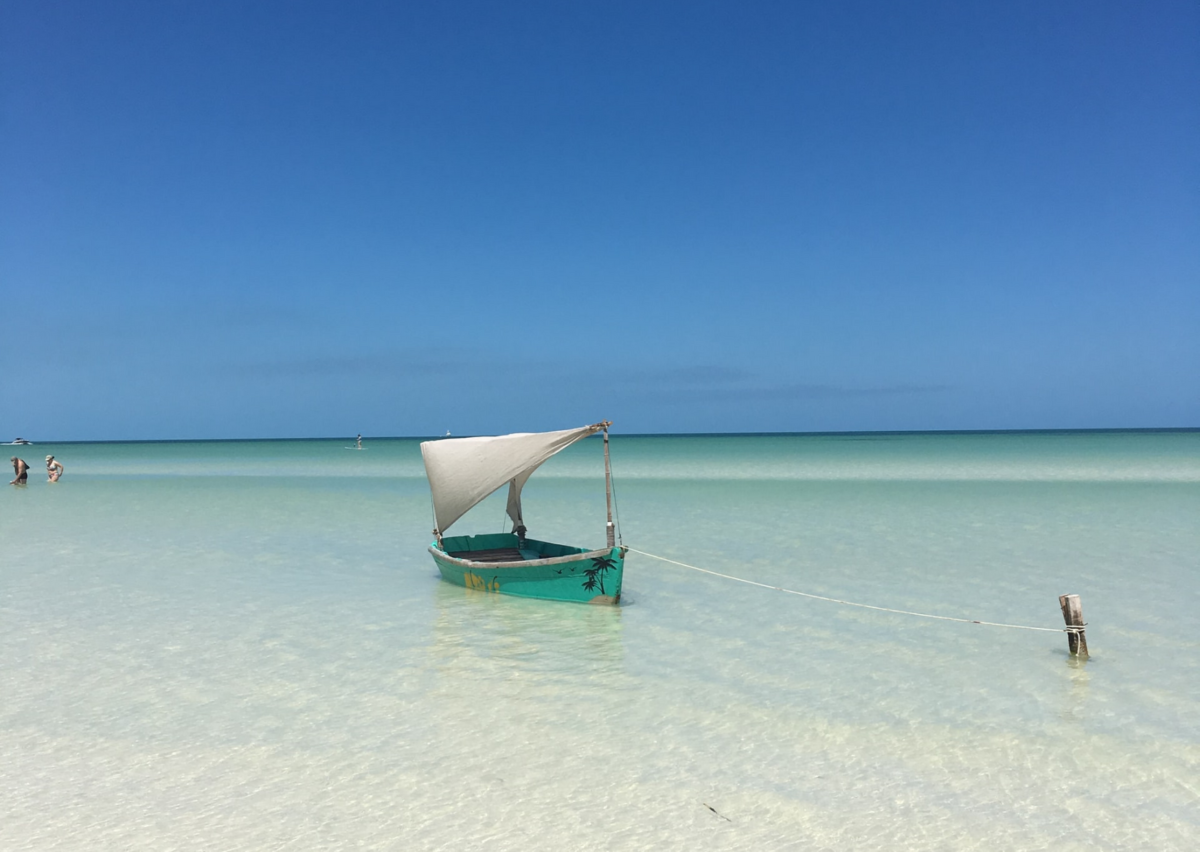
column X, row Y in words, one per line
column 285, row 219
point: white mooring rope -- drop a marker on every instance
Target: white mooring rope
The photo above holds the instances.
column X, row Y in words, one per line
column 862, row 605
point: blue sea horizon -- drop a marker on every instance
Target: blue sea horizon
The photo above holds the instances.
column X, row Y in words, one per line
column 732, row 434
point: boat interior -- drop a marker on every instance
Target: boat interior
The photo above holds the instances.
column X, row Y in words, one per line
column 503, row 547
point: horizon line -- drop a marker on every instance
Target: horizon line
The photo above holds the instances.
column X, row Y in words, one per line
column 815, row 434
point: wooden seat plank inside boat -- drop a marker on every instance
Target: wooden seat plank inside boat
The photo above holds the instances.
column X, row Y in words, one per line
column 498, row 554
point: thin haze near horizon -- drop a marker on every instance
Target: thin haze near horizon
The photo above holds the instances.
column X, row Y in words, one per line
column 277, row 219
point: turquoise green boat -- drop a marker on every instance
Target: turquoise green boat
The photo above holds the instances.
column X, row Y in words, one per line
column 463, row 471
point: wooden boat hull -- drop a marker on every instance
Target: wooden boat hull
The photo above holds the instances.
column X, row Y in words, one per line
column 543, row 570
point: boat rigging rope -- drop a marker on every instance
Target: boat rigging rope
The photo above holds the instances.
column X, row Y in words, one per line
column 862, row 605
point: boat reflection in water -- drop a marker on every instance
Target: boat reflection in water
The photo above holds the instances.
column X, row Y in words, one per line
column 490, row 636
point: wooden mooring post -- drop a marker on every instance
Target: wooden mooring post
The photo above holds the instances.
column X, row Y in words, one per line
column 1072, row 611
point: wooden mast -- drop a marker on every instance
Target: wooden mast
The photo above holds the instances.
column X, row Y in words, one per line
column 609, row 532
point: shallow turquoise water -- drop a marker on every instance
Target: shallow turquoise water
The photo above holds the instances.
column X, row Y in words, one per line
column 244, row 645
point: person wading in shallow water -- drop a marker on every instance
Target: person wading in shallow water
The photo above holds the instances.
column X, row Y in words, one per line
column 54, row 468
column 21, row 470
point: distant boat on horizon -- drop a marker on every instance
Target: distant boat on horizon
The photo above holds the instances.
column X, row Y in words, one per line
column 462, row 472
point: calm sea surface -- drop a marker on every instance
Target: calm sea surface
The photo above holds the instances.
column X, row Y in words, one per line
column 245, row 645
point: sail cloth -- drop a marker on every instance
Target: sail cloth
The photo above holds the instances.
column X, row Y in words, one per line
column 463, row 471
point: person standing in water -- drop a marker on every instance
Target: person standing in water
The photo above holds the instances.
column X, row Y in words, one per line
column 21, row 470
column 54, row 468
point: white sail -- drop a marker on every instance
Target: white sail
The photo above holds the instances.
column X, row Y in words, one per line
column 463, row 471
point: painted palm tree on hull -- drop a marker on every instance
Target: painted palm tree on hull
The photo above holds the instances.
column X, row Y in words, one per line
column 594, row 576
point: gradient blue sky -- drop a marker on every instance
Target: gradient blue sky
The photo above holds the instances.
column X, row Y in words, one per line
column 285, row 219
